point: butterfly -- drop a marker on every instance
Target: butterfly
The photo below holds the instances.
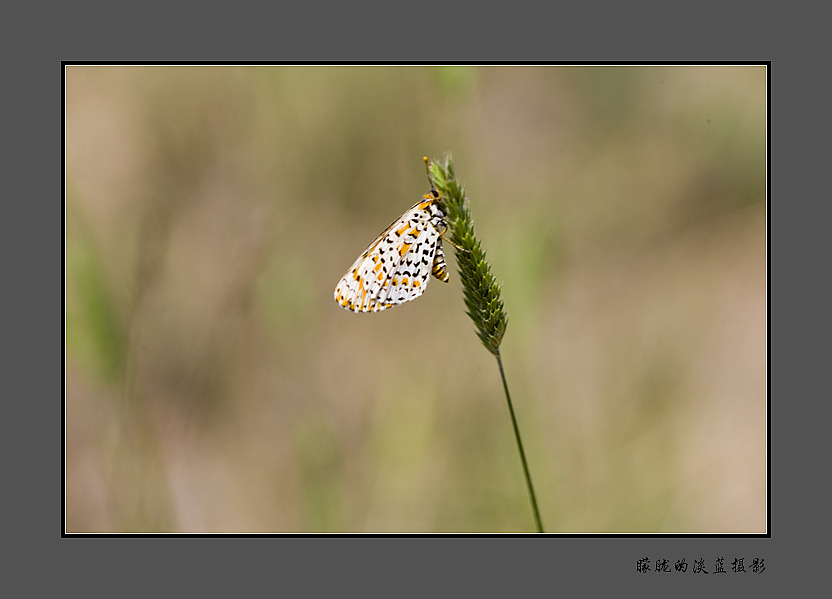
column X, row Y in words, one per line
column 397, row 266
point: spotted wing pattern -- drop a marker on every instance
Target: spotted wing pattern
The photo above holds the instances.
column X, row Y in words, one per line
column 397, row 266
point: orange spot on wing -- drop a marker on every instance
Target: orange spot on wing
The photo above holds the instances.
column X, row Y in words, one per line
column 403, row 249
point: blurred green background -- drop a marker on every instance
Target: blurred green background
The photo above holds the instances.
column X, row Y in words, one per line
column 213, row 384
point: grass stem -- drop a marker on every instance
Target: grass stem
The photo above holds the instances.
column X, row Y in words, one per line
column 480, row 289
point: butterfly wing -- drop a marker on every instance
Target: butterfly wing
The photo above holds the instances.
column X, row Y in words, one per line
column 411, row 274
column 398, row 264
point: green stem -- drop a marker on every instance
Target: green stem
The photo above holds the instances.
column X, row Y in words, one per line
column 520, row 446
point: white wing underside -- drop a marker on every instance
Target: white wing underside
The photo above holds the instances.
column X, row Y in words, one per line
column 397, row 266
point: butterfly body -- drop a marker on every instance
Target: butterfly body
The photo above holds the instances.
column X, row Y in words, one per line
column 397, row 266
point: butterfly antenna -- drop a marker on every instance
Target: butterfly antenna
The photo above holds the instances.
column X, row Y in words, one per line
column 427, row 170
